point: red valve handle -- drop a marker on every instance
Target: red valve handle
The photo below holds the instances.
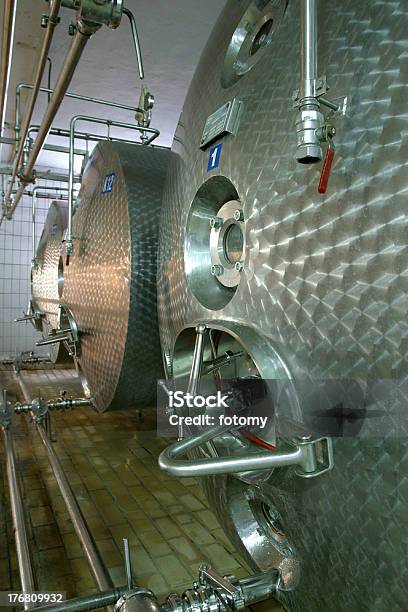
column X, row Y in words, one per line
column 325, row 175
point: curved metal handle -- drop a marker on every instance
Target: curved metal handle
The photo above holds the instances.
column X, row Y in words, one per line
column 325, row 175
column 170, row 461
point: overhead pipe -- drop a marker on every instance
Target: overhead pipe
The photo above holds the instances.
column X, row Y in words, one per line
column 89, row 137
column 17, row 508
column 155, row 133
column 82, row 35
column 9, row 21
column 95, row 562
column 46, row 147
column 68, row 94
column 48, row 90
column 46, row 175
column 90, row 17
column 52, row 22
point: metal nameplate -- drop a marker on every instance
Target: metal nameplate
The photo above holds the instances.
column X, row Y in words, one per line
column 225, row 120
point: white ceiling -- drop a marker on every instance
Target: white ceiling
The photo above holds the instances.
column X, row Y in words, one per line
column 172, row 36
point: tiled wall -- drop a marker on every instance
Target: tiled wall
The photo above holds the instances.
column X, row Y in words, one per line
column 15, row 268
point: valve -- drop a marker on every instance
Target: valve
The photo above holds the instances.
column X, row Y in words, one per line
column 326, row 134
column 144, row 112
column 40, row 407
column 211, row 592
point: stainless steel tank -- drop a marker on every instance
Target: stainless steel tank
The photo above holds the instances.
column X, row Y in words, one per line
column 311, row 286
column 109, row 287
column 44, row 276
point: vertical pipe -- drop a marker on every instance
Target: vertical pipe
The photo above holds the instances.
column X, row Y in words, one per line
column 197, row 360
column 19, row 526
column 69, row 245
column 33, row 207
column 308, row 47
column 9, row 21
column 95, row 562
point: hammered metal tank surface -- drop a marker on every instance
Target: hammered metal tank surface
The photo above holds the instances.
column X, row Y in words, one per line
column 44, row 279
column 110, row 282
column 324, row 279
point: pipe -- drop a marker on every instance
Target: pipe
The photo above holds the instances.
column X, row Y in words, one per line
column 54, row 340
column 96, row 564
column 68, row 94
column 308, row 47
column 109, row 123
column 49, row 33
column 9, row 22
column 19, row 525
column 46, row 147
column 89, row 602
column 48, row 176
column 169, row 459
column 136, row 42
column 309, row 119
column 82, row 35
column 196, row 366
column 81, row 136
column 34, row 196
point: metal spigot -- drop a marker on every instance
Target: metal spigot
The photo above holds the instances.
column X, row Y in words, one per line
column 309, row 121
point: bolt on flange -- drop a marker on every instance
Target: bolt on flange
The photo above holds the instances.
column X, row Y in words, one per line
column 217, row 270
column 216, row 222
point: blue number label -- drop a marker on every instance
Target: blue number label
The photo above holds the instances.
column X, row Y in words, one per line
column 108, row 183
column 214, row 159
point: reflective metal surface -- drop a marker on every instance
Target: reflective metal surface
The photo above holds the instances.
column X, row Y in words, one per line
column 44, row 284
column 324, row 278
column 110, row 283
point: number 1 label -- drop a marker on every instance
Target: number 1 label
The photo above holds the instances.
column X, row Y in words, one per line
column 214, row 159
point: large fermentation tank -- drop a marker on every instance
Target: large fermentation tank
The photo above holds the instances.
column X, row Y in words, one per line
column 313, row 287
column 109, row 286
column 44, row 276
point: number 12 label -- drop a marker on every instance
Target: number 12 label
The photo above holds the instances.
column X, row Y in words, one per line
column 108, row 183
column 214, row 159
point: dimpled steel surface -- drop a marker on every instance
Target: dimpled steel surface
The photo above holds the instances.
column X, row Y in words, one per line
column 44, row 284
column 110, row 282
column 325, row 277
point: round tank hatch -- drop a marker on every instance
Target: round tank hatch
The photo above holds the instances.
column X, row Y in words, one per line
column 214, row 250
column 252, row 36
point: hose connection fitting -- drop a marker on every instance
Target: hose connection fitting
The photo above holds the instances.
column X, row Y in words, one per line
column 210, row 592
column 309, row 124
column 97, row 12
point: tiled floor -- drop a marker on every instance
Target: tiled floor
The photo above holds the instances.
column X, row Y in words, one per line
column 111, row 463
